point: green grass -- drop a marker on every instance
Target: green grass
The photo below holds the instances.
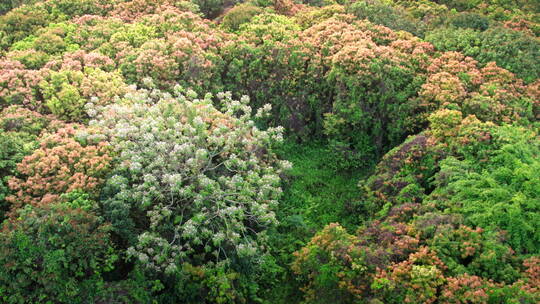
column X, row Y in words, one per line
column 315, row 194
column 314, row 190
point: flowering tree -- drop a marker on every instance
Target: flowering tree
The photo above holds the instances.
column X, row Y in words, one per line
column 192, row 184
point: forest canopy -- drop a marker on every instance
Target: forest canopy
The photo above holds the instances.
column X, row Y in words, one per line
column 284, row 151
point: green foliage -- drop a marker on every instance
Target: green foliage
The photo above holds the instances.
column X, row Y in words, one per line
column 14, row 147
column 22, row 22
column 369, row 114
column 333, row 265
column 54, row 254
column 67, row 9
column 275, row 79
column 192, row 187
column 8, row 5
column 470, row 20
column 239, row 15
column 315, row 194
column 210, row 8
column 130, row 35
column 61, row 164
column 467, row 251
column 500, row 191
column 510, row 49
column 62, row 96
column 316, row 191
column 18, row 134
column 67, row 92
column 204, row 195
column 461, row 5
column 30, row 58
column 402, row 176
column 415, row 280
column 52, row 40
column 383, row 13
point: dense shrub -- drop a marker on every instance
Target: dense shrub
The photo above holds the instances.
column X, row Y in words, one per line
column 100, row 120
column 19, row 129
column 61, row 164
column 67, row 9
column 51, row 40
column 501, row 191
column 470, row 20
column 8, row 5
column 133, row 10
column 21, row 22
column 31, row 59
column 402, row 176
column 14, row 148
column 373, row 77
column 19, row 85
column 210, row 8
column 385, row 14
column 490, row 93
column 67, row 92
column 183, row 58
column 333, row 266
column 510, row 49
column 193, row 185
column 415, row 280
column 339, row 267
column 239, row 15
column 275, row 79
column 54, row 253
column 474, row 251
column 22, row 120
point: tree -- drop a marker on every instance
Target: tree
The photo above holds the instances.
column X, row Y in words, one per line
column 193, row 185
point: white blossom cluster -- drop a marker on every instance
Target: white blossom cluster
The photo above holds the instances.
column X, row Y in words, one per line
column 205, row 179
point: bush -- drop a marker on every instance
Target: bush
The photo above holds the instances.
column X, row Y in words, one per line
column 61, row 164
column 371, row 111
column 14, row 147
column 8, row 5
column 461, row 5
column 18, row 119
column 67, row 9
column 474, row 251
column 239, row 15
column 501, row 191
column 19, row 130
column 210, row 8
column 333, row 266
column 415, row 280
column 275, row 79
column 337, row 266
column 31, row 59
column 54, row 253
column 510, row 49
column 193, row 184
column 51, row 40
column 67, row 92
column 22, row 22
column 385, row 14
column 470, row 20
column 187, row 59
column 19, row 85
column 491, row 93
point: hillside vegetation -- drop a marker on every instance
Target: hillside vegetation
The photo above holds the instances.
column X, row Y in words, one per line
column 317, row 151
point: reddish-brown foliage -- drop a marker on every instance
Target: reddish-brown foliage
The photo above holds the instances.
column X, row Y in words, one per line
column 60, row 165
